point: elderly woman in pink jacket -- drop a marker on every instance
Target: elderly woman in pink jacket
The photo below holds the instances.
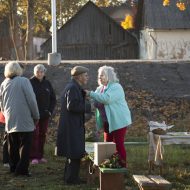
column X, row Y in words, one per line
column 112, row 112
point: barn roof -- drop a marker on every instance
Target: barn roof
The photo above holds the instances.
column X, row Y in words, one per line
column 103, row 11
column 156, row 16
column 90, row 3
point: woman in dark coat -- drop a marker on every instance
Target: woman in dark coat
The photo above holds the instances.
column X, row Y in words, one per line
column 71, row 131
column 46, row 100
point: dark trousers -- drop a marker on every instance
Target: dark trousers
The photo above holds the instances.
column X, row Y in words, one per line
column 71, row 173
column 19, row 145
column 5, row 149
column 39, row 138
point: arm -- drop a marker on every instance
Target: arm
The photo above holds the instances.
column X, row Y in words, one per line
column 1, row 99
column 87, row 106
column 74, row 103
column 113, row 93
column 52, row 99
column 31, row 99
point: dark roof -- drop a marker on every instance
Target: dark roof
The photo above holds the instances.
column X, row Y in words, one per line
column 156, row 16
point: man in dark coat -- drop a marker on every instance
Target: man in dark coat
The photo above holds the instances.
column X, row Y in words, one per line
column 71, row 131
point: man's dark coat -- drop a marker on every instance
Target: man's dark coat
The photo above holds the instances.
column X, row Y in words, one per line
column 71, row 131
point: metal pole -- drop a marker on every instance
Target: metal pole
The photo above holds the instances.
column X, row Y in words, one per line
column 54, row 29
column 54, row 58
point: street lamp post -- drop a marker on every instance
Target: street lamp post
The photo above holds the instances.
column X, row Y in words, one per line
column 54, row 58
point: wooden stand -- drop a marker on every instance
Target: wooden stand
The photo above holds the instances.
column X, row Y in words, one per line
column 151, row 167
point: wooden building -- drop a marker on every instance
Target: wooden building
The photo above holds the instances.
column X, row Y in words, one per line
column 164, row 31
column 93, row 34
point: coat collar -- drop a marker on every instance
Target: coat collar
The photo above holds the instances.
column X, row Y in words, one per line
column 105, row 88
column 36, row 79
column 76, row 83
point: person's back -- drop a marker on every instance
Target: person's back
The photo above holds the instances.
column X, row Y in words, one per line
column 19, row 106
column 16, row 104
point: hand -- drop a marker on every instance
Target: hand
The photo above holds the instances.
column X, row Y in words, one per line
column 87, row 92
column 45, row 114
column 36, row 121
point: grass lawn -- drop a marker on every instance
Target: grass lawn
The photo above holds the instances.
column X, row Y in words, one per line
column 50, row 176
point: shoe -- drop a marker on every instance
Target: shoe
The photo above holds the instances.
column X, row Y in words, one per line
column 29, row 174
column 35, row 161
column 6, row 165
column 43, row 160
column 78, row 182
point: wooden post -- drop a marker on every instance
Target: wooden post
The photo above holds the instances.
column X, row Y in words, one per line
column 112, row 178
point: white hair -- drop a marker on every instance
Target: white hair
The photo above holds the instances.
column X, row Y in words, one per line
column 109, row 74
column 39, row 67
column 12, row 68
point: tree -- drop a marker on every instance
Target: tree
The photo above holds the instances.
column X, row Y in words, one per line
column 33, row 17
column 21, row 15
column 14, row 29
column 29, row 30
column 106, row 3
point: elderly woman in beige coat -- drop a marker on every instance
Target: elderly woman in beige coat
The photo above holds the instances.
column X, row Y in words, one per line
column 19, row 106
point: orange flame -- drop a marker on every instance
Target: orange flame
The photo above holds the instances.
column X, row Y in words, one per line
column 181, row 6
column 128, row 22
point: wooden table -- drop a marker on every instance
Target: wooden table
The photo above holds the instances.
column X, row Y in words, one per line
column 156, row 143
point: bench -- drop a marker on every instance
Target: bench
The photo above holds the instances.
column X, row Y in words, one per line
column 152, row 182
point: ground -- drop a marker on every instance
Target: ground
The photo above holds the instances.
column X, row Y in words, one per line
column 154, row 91
column 50, row 176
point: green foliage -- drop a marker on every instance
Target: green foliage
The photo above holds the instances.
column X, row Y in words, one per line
column 113, row 162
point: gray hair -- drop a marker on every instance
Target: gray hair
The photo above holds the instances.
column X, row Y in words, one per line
column 109, row 73
column 39, row 67
column 12, row 68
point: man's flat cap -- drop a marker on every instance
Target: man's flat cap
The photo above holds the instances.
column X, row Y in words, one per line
column 78, row 70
